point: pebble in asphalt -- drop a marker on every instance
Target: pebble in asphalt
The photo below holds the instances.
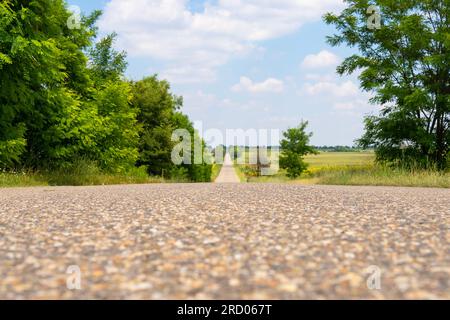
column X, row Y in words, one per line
column 225, row 241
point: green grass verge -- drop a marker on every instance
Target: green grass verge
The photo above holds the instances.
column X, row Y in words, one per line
column 8, row 180
column 381, row 176
column 22, row 179
column 85, row 173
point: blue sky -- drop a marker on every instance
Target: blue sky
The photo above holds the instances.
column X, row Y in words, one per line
column 242, row 64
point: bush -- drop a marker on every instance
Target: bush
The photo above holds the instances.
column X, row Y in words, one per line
column 200, row 173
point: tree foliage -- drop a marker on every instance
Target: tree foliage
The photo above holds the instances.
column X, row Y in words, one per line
column 159, row 115
column 406, row 63
column 294, row 147
column 64, row 97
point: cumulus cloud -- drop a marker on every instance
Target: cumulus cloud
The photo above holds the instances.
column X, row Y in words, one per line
column 323, row 59
column 270, row 85
column 346, row 89
column 169, row 31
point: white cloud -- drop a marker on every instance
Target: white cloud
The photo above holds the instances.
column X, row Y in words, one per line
column 345, row 106
column 269, row 85
column 323, row 59
column 319, row 77
column 167, row 30
column 346, row 89
column 200, row 103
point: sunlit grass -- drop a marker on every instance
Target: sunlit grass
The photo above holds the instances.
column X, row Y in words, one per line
column 18, row 179
column 83, row 174
column 334, row 159
column 354, row 168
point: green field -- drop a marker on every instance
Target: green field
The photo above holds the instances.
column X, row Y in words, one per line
column 333, row 159
column 350, row 168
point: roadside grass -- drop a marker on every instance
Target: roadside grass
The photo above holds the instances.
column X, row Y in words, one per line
column 377, row 176
column 8, row 180
column 241, row 174
column 86, row 173
column 21, row 179
column 356, row 169
column 82, row 174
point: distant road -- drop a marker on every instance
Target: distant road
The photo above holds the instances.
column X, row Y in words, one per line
column 225, row 241
column 228, row 173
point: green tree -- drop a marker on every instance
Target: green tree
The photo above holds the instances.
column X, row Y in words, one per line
column 159, row 115
column 107, row 64
column 294, row 147
column 42, row 76
column 406, row 63
column 156, row 107
column 118, row 132
column 236, row 152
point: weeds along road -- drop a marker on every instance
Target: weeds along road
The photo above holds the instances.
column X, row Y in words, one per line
column 224, row 241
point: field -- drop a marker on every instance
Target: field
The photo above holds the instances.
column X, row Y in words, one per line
column 351, row 168
column 333, row 159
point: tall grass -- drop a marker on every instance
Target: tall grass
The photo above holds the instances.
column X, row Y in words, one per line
column 21, row 178
column 81, row 173
column 382, row 176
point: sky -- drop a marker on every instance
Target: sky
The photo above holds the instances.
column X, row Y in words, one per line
column 242, row 64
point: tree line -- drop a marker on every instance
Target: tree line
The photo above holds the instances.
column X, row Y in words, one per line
column 64, row 99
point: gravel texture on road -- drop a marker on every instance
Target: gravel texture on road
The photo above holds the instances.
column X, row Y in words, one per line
column 225, row 241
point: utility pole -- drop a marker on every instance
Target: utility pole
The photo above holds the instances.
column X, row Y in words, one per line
column 258, row 162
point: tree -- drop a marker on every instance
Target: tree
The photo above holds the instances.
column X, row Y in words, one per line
column 118, row 132
column 295, row 146
column 64, row 98
column 42, row 78
column 107, row 64
column 156, row 107
column 235, row 152
column 406, row 64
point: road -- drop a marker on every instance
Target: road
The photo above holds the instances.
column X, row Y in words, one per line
column 227, row 174
column 224, row 241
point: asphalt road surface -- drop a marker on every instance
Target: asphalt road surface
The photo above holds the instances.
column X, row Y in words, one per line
column 228, row 173
column 224, row 241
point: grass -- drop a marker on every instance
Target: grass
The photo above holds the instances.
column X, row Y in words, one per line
column 83, row 174
column 378, row 176
column 21, row 179
column 69, row 179
column 333, row 159
column 357, row 169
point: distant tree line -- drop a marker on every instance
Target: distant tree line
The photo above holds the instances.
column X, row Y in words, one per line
column 339, row 149
column 64, row 99
column 318, row 148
